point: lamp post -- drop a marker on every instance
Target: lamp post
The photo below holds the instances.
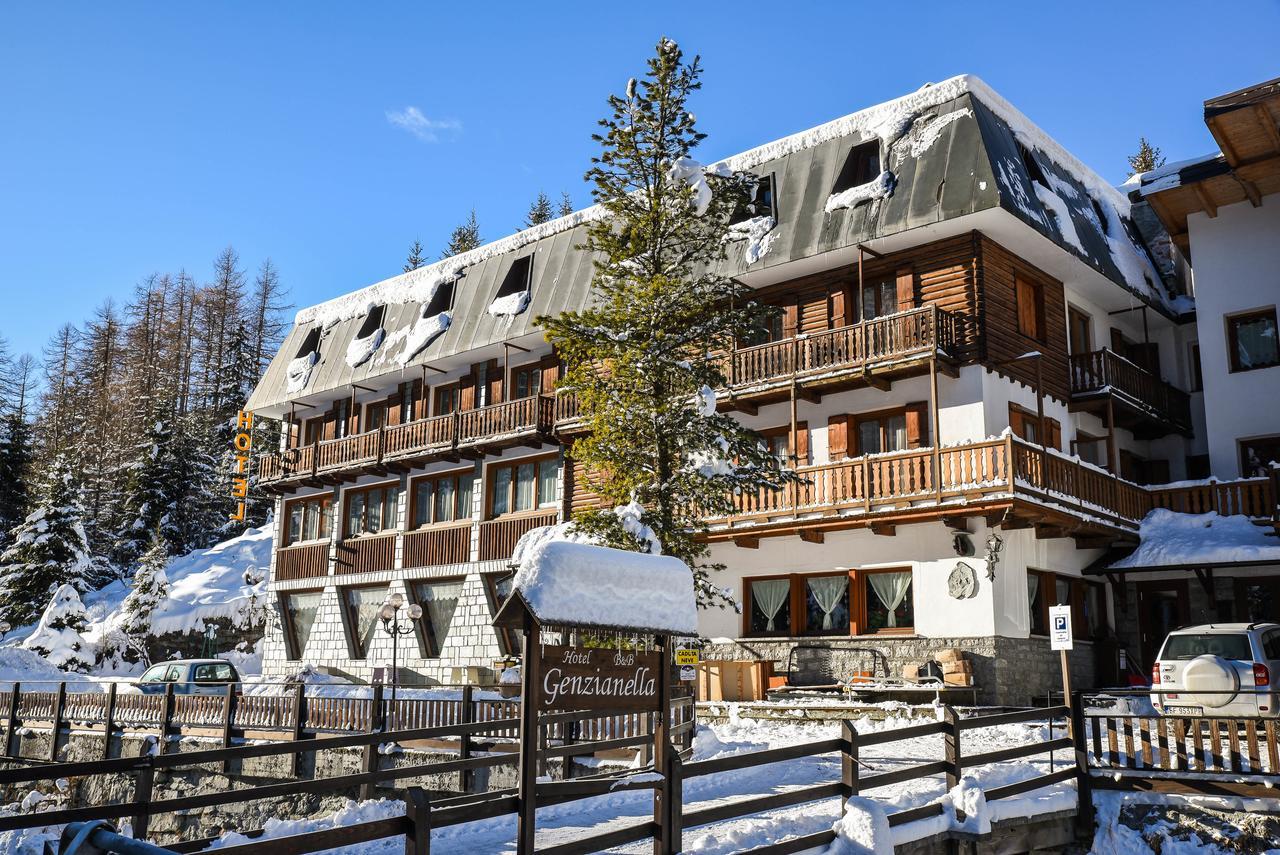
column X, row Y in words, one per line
column 390, row 614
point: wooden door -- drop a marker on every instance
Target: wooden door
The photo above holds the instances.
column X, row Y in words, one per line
column 1162, row 607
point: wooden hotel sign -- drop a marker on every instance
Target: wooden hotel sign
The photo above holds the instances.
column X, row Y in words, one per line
column 592, row 678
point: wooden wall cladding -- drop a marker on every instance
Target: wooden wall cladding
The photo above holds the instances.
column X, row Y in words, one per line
column 997, row 270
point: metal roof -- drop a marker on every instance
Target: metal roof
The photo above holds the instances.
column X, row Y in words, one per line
column 945, row 169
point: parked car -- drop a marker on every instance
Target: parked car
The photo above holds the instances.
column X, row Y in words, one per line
column 189, row 677
column 1217, row 670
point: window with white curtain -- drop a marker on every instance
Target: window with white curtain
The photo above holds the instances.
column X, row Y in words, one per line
column 889, row 601
column 439, row 601
column 858, row 601
column 362, row 605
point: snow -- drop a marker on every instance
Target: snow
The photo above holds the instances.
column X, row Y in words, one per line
column 877, row 188
column 568, row 583
column 691, row 172
column 360, row 349
column 27, row 666
column 415, row 286
column 299, row 371
column 925, row 133
column 1165, row 177
column 863, row 830
column 758, row 234
column 1061, row 215
column 55, row 636
column 404, row 344
column 705, row 401
column 1009, row 177
column 510, row 305
column 630, row 516
column 1170, row 538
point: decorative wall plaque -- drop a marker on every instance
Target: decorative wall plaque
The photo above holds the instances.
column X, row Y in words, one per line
column 963, row 581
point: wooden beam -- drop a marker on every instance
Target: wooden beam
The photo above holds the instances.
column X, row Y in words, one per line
column 811, row 536
column 1084, row 541
column 743, row 406
column 957, row 523
column 948, row 368
column 1220, row 138
column 809, row 395
column 1014, row 523
column 877, row 382
column 883, row 529
column 1210, row 207
column 1269, row 125
column 1050, row 532
column 747, row 542
column 1250, row 189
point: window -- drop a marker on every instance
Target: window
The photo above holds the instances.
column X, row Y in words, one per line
column 759, row 201
column 313, row 430
column 1087, row 601
column 362, row 606
column 1252, row 341
column 1102, row 217
column 1029, row 297
column 517, row 279
column 310, row 344
column 1228, row 645
column 371, row 510
column 439, row 600
column 1090, row 449
column 1197, row 466
column 375, row 415
column 1038, row 601
column 879, row 298
column 308, row 518
column 526, row 381
column 1081, row 337
column 1034, row 172
column 777, row 441
column 1091, row 620
column 1025, row 424
column 212, row 673
column 441, row 300
column 299, row 617
column 523, row 486
column 372, row 322
column 1257, row 455
column 877, row 433
column 446, row 399
column 497, row 587
column 442, row 498
column 1193, row 368
column 861, row 166
column 160, row 674
column 844, row 603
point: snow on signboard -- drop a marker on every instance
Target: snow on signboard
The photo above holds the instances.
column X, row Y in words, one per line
column 578, row 584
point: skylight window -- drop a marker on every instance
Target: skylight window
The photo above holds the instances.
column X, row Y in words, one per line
column 861, row 166
column 1034, row 172
column 1102, row 217
column 513, row 294
column 759, row 204
column 310, row 344
column 441, row 300
column 372, row 321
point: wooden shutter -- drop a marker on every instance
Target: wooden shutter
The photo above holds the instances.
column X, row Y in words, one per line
column 839, row 306
column 1117, row 342
column 1053, row 428
column 906, row 286
column 1028, row 310
column 330, row 430
column 837, row 437
column 418, row 402
column 394, row 408
column 918, row 424
column 790, row 318
column 550, row 373
column 802, row 443
column 493, row 382
column 467, row 392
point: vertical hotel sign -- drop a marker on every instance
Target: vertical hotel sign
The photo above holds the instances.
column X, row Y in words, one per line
column 243, row 444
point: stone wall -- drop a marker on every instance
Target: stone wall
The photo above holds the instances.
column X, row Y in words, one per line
column 1006, row 671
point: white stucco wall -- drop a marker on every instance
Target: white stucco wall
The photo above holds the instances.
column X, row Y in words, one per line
column 1236, row 257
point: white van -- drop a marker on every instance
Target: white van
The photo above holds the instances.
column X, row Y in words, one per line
column 1219, row 670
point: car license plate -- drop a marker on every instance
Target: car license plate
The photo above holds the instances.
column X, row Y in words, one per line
column 1172, row 710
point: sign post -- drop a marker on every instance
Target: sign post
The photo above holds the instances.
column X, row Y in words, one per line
column 1060, row 639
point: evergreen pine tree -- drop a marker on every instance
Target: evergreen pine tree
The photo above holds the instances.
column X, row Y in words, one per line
column 57, row 637
column 638, row 357
column 465, row 237
column 539, row 211
column 416, row 259
column 17, row 448
column 48, row 548
column 566, row 205
column 1147, row 158
column 150, row 587
column 155, row 486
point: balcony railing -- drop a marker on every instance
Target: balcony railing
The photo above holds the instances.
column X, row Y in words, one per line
column 367, row 554
column 892, row 338
column 993, row 469
column 435, row 435
column 308, row 561
column 431, row 547
column 1104, row 371
column 498, row 537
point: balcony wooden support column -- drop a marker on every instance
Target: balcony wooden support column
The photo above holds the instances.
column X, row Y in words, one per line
column 935, row 427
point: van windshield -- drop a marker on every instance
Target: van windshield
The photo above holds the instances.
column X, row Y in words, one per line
column 1218, row 644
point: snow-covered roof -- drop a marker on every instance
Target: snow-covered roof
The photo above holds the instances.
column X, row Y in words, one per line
column 567, row 583
column 1170, row 539
column 951, row 148
column 1170, row 175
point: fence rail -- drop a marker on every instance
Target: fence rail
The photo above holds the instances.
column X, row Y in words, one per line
column 1103, row 371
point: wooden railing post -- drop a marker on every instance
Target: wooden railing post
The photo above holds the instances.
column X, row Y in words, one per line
column 417, row 809
column 848, row 763
column 370, row 759
column 1084, row 784
column 109, row 722
column 59, row 704
column 382, row 441
column 668, row 802
column 951, row 737
column 299, row 717
column 142, row 798
column 166, row 717
column 228, row 716
column 15, row 699
column 466, row 716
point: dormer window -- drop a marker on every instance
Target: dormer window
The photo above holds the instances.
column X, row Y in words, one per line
column 1034, row 172
column 860, row 167
column 759, row 202
column 372, row 321
column 310, row 344
column 1102, row 217
column 513, row 294
column 441, row 300
column 298, row 372
column 368, row 339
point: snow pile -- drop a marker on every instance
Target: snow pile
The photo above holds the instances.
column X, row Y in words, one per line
column 709, row 464
column 877, row 188
column 567, row 583
column 416, row 286
column 535, row 537
column 705, row 401
column 758, row 233
column 353, row 813
column 299, row 371
column 27, row 666
column 1061, row 215
column 863, row 830
column 1170, row 538
column 211, row 583
column 689, row 171
column 510, row 305
column 404, row 344
column 57, row 636
column 630, row 515
column 1009, row 176
column 925, row 133
column 360, row 349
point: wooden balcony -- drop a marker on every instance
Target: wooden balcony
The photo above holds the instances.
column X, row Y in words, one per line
column 1141, row 401
column 368, row 554
column 1015, row 482
column 308, row 561
column 871, row 352
column 498, row 537
column 527, row 420
column 443, row 544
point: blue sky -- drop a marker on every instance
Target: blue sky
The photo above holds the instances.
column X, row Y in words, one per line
column 145, row 137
